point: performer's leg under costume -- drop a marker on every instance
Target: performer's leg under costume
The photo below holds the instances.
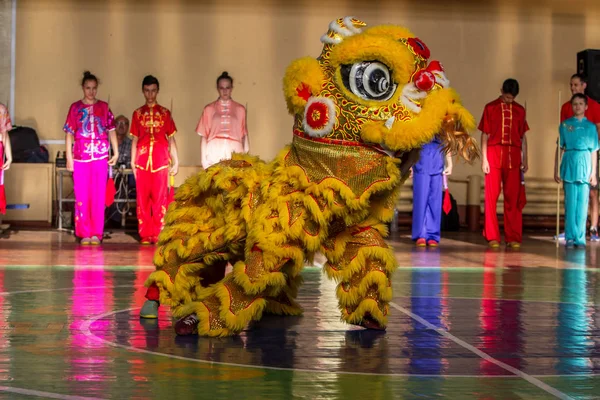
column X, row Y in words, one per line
column 152, row 191
column 266, row 282
column 360, row 260
column 513, row 215
column 89, row 181
column 491, row 194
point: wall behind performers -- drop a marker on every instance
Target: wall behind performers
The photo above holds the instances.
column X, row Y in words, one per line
column 188, row 43
column 5, row 36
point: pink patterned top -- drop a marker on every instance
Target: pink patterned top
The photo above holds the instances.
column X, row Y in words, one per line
column 223, row 120
column 5, row 124
column 90, row 124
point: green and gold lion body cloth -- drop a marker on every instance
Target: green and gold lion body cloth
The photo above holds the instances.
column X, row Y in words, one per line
column 361, row 112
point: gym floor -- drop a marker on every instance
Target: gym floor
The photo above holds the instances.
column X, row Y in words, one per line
column 467, row 322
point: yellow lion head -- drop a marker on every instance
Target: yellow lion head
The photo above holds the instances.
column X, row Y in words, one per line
column 376, row 86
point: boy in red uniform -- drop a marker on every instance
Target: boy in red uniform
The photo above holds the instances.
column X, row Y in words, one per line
column 504, row 155
column 153, row 148
column 578, row 85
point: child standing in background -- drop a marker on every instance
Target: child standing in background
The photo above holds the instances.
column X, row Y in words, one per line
column 428, row 193
column 579, row 147
column 89, row 127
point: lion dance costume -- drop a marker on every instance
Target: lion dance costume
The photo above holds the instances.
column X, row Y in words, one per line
column 361, row 112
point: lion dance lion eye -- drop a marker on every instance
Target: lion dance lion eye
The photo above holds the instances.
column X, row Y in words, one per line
column 369, row 80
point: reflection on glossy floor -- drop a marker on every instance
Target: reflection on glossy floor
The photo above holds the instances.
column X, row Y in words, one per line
column 466, row 323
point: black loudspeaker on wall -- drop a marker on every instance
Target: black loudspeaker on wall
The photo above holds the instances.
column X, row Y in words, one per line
column 588, row 65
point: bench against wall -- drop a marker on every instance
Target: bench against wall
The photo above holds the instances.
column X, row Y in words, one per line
column 29, row 184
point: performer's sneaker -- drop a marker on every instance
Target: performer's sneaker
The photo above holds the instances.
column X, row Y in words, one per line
column 421, row 242
column 86, row 241
column 146, row 241
column 514, row 245
column 494, row 244
column 95, row 240
column 570, row 244
column 149, row 309
column 432, row 243
column 561, row 236
column 187, row 325
column 594, row 235
column 370, row 323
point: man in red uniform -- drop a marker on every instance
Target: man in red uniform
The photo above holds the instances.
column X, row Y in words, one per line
column 578, row 85
column 504, row 156
column 153, row 148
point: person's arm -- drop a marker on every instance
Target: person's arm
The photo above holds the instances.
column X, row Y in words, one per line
column 449, row 165
column 203, row 144
column 7, row 151
column 593, row 177
column 246, row 144
column 114, row 143
column 524, row 156
column 485, row 165
column 134, row 142
column 69, row 149
column 557, row 177
column 174, row 158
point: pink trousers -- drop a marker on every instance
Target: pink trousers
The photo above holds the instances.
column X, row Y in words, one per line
column 2, row 194
column 89, row 183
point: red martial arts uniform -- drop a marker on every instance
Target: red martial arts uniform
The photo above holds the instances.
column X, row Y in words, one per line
column 505, row 125
column 153, row 126
column 592, row 113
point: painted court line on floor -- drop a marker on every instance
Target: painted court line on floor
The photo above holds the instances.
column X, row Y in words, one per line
column 534, row 381
column 47, row 395
column 85, row 328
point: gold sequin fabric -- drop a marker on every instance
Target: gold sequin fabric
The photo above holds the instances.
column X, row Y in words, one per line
column 357, row 167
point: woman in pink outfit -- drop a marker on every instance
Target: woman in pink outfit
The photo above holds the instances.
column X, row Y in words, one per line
column 222, row 126
column 5, row 126
column 89, row 127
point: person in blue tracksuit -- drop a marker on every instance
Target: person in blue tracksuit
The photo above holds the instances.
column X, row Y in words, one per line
column 428, row 193
column 579, row 149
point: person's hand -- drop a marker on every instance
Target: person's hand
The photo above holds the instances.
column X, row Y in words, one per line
column 69, row 164
column 485, row 166
column 174, row 169
column 113, row 160
column 447, row 170
column 411, row 173
column 7, row 163
column 557, row 178
column 524, row 167
column 593, row 179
